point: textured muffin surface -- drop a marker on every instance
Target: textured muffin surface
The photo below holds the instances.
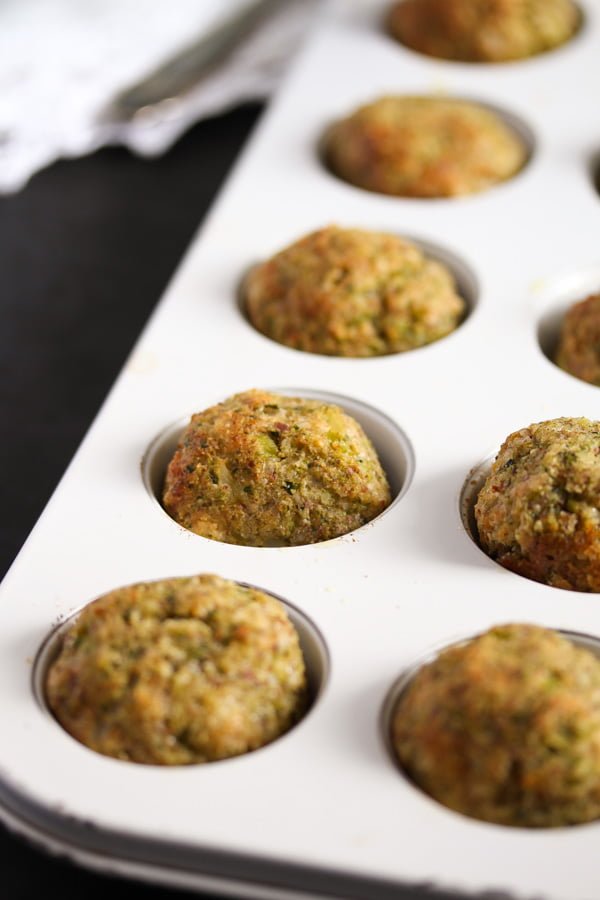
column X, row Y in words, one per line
column 348, row 292
column 579, row 344
column 506, row 728
column 423, row 147
column 538, row 512
column 266, row 470
column 180, row 671
column 483, row 30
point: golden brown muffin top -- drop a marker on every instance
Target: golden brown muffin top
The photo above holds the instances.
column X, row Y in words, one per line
column 351, row 292
column 538, row 512
column 506, row 728
column 483, row 30
column 179, row 671
column 424, row 146
column 579, row 345
column 262, row 469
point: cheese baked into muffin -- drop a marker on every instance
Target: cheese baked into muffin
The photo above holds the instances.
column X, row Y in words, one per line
column 506, row 728
column 412, row 146
column 579, row 343
column 266, row 470
column 186, row 670
column 350, row 292
column 538, row 512
column 483, row 30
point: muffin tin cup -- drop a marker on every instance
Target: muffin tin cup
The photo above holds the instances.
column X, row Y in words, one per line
column 517, row 124
column 391, row 444
column 581, row 25
column 405, row 679
column 469, row 494
column 464, row 276
column 312, row 643
column 557, row 295
column 323, row 811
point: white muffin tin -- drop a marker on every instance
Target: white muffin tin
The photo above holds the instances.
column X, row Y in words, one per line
column 324, row 811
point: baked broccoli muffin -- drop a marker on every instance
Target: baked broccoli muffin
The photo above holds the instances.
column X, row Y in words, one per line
column 346, row 292
column 265, row 470
column 483, row 30
column 181, row 671
column 423, row 147
column 506, row 728
column 538, row 512
column 579, row 344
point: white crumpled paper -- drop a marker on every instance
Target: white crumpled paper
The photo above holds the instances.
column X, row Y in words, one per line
column 62, row 61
